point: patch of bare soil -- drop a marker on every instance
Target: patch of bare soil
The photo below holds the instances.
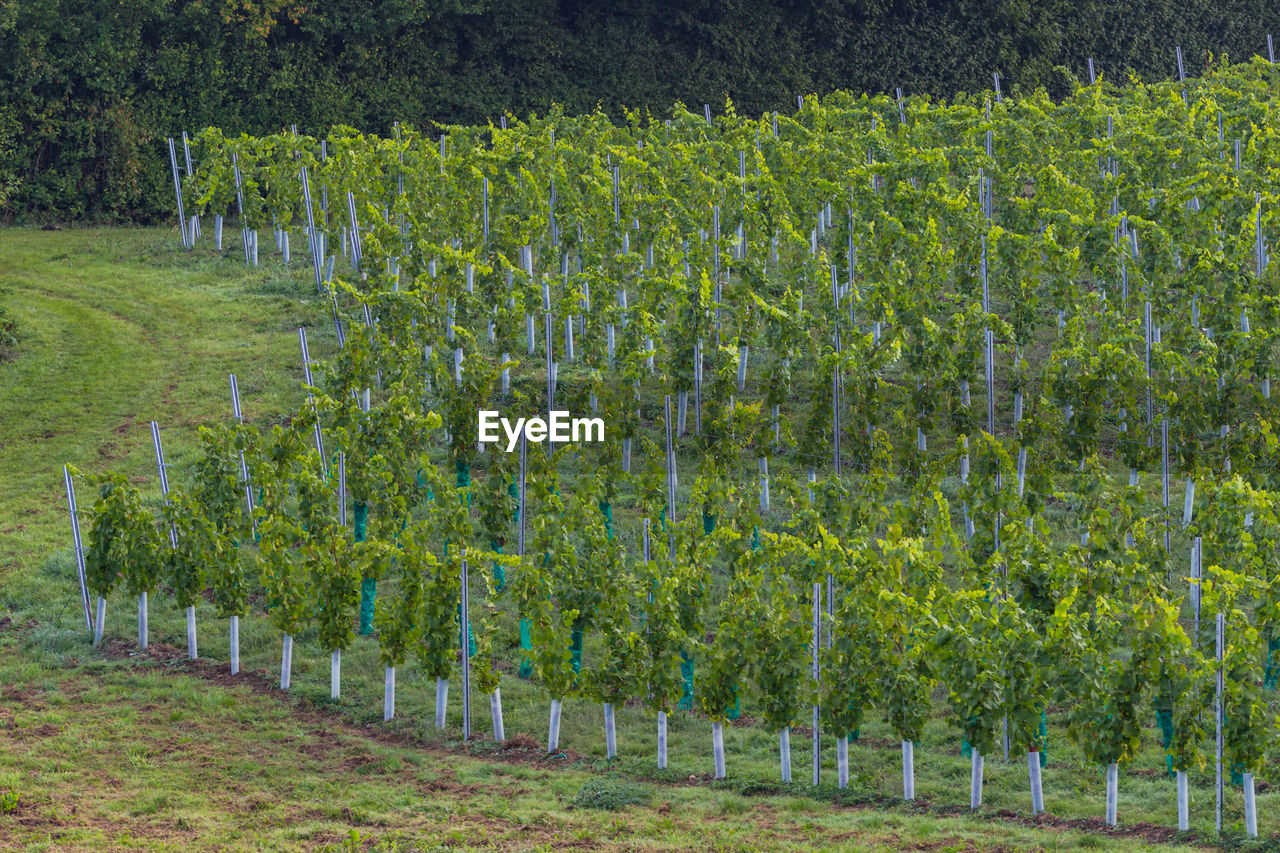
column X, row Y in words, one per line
column 1145, row 831
column 44, row 730
column 446, row 783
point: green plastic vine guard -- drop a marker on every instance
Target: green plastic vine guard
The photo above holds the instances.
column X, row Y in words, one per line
column 1042, row 740
column 368, row 586
column 499, row 573
column 686, row 675
column 606, row 510
column 575, row 637
column 526, row 645
column 575, row 649
column 1237, row 769
column 430, row 494
column 471, row 637
column 526, row 642
column 257, row 537
column 1164, row 719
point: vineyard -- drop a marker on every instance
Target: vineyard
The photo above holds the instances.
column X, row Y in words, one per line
column 907, row 404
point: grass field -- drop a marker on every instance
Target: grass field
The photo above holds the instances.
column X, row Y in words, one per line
column 111, row 750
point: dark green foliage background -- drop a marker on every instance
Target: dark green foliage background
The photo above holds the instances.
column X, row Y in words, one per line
column 89, row 88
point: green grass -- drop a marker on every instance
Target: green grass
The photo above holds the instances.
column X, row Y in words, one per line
column 117, row 330
column 108, row 750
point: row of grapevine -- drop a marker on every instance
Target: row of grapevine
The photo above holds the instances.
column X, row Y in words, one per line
column 800, row 307
column 1033, row 625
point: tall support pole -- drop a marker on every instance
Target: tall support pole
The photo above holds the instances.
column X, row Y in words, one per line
column 79, row 546
column 342, row 490
column 186, row 154
column 163, row 469
column 1194, row 592
column 697, row 387
column 244, row 468
column 524, row 472
column 1218, row 743
column 647, row 543
column 246, row 237
column 836, row 387
column 466, row 655
column 1260, row 246
column 306, row 375
column 313, row 237
column 356, row 246
column 1164, row 481
column 815, row 646
column 671, row 478
column 526, row 642
column 177, row 191
column 551, row 376
column 1182, row 74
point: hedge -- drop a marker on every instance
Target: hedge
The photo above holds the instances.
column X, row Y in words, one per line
column 90, row 88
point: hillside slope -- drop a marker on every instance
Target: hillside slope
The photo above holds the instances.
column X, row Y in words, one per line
column 110, row 750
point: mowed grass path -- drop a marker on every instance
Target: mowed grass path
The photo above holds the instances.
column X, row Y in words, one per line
column 108, row 751
column 118, row 329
